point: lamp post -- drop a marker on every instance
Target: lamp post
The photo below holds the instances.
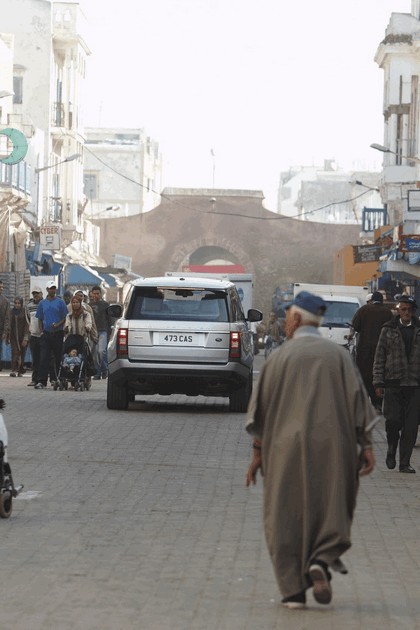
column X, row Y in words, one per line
column 383, row 149
column 70, row 158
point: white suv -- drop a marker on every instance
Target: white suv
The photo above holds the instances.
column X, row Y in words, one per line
column 181, row 336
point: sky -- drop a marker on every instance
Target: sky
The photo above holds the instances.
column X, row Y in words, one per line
column 236, row 91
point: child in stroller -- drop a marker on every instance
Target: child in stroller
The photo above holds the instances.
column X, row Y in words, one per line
column 72, row 362
column 75, row 368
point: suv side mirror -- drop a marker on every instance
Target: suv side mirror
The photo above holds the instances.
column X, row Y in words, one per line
column 114, row 310
column 254, row 315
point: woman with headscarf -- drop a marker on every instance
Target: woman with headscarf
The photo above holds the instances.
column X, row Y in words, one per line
column 78, row 320
column 18, row 336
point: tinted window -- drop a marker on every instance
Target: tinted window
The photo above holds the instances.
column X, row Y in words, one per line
column 179, row 304
column 339, row 313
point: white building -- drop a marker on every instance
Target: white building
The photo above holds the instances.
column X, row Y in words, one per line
column 327, row 194
column 122, row 172
column 399, row 57
column 50, row 52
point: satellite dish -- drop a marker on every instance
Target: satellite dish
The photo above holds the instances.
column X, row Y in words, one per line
column 20, row 146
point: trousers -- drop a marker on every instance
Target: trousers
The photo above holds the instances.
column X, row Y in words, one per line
column 402, row 416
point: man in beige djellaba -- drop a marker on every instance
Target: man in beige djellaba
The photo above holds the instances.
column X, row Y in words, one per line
column 310, row 418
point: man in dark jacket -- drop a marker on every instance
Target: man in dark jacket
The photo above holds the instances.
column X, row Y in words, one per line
column 396, row 372
column 367, row 322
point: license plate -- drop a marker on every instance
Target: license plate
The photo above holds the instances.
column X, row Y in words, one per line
column 180, row 339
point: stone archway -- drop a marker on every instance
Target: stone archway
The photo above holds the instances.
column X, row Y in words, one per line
column 182, row 254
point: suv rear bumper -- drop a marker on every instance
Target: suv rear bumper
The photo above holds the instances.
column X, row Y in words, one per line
column 189, row 379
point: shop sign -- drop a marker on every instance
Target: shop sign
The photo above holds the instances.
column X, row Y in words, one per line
column 366, row 253
column 410, row 243
column 50, row 236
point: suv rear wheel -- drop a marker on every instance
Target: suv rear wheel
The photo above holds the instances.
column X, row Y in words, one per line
column 117, row 395
column 239, row 398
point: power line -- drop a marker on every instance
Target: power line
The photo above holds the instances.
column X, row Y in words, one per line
column 276, row 217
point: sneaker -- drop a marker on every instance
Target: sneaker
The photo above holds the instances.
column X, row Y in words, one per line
column 12, row 374
column 31, row 384
column 20, row 374
column 96, row 378
column 321, row 582
column 104, row 375
column 295, row 602
column 40, row 386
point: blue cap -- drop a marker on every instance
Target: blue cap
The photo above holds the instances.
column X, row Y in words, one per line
column 309, row 302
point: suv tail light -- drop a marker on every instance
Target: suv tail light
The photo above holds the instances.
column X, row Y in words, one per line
column 235, row 345
column 122, row 342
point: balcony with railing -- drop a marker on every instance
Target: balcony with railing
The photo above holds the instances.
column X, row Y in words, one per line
column 69, row 23
column 15, row 178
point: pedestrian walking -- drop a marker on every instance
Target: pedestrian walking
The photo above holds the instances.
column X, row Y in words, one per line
column 311, row 419
column 93, row 335
column 100, row 313
column 18, row 336
column 4, row 321
column 51, row 313
column 396, row 377
column 79, row 320
column 367, row 322
column 34, row 334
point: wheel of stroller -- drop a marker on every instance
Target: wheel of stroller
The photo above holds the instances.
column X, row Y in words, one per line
column 55, row 385
column 88, row 383
column 61, row 387
column 82, row 387
column 66, row 385
column 5, row 504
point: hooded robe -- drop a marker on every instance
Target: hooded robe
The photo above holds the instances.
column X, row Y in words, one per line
column 312, row 413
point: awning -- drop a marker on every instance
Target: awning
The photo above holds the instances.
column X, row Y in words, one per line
column 81, row 275
column 110, row 279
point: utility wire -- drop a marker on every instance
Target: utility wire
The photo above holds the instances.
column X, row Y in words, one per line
column 276, row 217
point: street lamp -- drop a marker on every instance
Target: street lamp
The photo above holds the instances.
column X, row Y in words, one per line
column 383, row 149
column 70, row 158
column 67, row 159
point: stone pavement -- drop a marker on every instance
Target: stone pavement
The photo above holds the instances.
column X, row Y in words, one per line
column 141, row 520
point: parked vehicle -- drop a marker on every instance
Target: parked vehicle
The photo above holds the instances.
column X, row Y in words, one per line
column 184, row 335
column 342, row 303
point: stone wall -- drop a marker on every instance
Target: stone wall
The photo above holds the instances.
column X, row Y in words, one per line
column 275, row 249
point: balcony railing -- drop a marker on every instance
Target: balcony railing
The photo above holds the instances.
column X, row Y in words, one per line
column 58, row 115
column 17, row 176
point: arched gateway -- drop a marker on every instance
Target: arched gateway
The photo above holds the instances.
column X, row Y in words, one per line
column 195, row 227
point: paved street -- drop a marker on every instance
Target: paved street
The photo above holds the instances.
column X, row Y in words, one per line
column 141, row 520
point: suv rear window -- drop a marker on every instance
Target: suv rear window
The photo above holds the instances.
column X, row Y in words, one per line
column 178, row 304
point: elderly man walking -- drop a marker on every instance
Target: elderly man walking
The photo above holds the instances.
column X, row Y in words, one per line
column 310, row 418
column 396, row 376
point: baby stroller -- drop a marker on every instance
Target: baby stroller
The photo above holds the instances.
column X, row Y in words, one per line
column 7, row 487
column 78, row 376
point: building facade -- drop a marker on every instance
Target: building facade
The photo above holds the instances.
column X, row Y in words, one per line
column 122, row 172
column 398, row 56
column 327, row 194
column 49, row 60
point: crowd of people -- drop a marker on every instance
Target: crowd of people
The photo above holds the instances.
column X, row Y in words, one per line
column 45, row 322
